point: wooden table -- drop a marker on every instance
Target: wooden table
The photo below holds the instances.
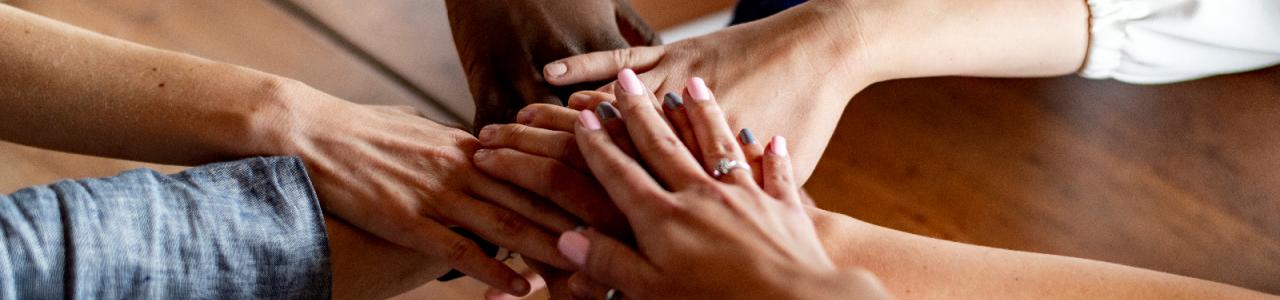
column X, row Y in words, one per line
column 1180, row 178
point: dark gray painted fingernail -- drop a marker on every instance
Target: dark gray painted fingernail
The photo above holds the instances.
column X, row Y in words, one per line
column 672, row 101
column 606, row 111
column 746, row 137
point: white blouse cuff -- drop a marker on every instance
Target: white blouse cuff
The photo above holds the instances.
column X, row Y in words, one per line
column 1163, row 41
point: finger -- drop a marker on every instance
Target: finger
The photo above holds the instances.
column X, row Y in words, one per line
column 570, row 190
column 543, row 213
column 599, row 66
column 503, row 228
column 607, row 261
column 558, row 145
column 536, row 283
column 585, row 288
column 548, row 116
column 674, row 107
column 635, row 193
column 590, row 99
column 714, row 137
column 462, row 254
column 612, row 121
column 778, row 177
column 754, row 153
column 657, row 144
column 633, row 27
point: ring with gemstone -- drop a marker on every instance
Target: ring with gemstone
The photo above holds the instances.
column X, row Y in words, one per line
column 724, row 166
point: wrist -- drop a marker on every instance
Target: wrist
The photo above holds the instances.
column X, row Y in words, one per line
column 279, row 124
column 819, row 36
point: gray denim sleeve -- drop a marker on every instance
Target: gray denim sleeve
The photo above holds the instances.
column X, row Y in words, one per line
column 245, row 229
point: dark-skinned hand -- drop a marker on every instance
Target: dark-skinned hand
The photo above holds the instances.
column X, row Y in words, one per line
column 504, row 44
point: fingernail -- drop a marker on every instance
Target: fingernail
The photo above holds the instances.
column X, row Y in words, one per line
column 630, row 83
column 746, row 137
column 574, row 245
column 525, row 116
column 486, row 133
column 606, row 111
column 589, row 120
column 698, row 89
column 578, row 98
column 520, row 286
column 557, row 69
column 778, row 146
column 481, row 154
column 672, row 101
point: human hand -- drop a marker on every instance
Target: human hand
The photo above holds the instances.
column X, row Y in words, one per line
column 406, row 179
column 748, row 239
column 790, row 74
column 504, row 44
column 367, row 267
column 542, row 147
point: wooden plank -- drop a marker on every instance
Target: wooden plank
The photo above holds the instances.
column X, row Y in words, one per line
column 411, row 37
column 664, row 14
column 1179, row 178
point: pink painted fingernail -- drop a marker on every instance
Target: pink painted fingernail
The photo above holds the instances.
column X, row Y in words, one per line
column 574, row 245
column 589, row 120
column 557, row 69
column 630, row 83
column 698, row 89
column 778, row 146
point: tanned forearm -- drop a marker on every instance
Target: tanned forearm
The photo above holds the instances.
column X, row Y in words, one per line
column 990, row 38
column 917, row 267
column 73, row 90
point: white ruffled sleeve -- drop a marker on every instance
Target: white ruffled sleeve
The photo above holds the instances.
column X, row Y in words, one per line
column 1163, row 41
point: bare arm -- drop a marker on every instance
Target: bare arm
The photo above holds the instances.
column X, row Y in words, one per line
column 69, row 89
column 387, row 171
column 996, row 38
column 917, row 267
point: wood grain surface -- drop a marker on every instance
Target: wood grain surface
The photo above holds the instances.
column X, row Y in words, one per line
column 1181, row 178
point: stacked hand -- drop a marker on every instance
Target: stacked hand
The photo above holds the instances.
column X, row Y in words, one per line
column 503, row 44
column 407, row 179
column 790, row 74
column 747, row 235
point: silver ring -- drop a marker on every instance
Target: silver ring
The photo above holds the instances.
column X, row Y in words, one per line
column 613, row 294
column 724, row 166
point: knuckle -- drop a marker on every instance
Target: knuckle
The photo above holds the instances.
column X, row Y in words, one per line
column 720, row 148
column 664, row 144
column 623, row 57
